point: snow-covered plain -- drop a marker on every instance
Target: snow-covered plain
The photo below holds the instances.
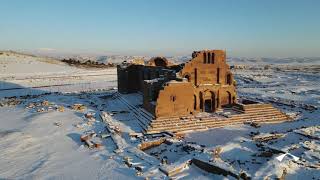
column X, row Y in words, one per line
column 28, row 75
column 46, row 144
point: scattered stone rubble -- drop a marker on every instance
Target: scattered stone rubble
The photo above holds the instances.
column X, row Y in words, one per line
column 114, row 131
column 44, row 106
column 310, row 132
column 90, row 140
column 10, row 102
column 79, row 107
column 90, row 120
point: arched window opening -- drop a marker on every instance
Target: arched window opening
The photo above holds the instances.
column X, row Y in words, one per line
column 209, row 58
column 194, row 102
column 173, row 98
column 212, row 58
column 201, row 101
column 218, row 75
column 195, row 76
column 204, row 58
column 229, row 79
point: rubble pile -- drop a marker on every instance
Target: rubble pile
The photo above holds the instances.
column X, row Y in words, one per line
column 10, row 102
column 90, row 120
column 44, row 106
column 267, row 137
column 91, row 140
column 79, row 107
column 312, row 132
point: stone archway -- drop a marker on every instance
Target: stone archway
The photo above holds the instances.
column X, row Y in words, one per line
column 207, row 101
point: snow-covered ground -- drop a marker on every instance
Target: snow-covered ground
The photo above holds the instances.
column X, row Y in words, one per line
column 33, row 147
column 27, row 75
column 38, row 140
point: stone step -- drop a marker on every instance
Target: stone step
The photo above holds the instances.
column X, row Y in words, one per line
column 273, row 111
column 199, row 127
column 254, row 110
column 259, row 115
column 221, row 121
column 144, row 118
column 170, row 121
column 215, row 123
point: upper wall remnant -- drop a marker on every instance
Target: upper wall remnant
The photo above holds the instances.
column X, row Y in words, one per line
column 159, row 61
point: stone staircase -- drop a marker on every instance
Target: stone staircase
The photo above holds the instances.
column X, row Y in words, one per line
column 262, row 113
column 144, row 118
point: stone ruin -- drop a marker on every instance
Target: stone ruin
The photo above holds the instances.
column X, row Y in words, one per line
column 196, row 95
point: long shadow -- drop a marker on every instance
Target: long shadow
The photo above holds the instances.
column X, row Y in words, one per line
column 75, row 137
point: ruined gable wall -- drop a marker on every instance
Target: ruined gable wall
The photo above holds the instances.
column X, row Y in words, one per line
column 208, row 74
column 200, row 72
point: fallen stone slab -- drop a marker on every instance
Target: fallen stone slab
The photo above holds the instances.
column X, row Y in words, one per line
column 150, row 144
column 218, row 168
column 136, row 135
column 311, row 145
column 312, row 132
column 89, row 143
column 104, row 135
column 115, row 135
column 267, row 137
column 177, row 167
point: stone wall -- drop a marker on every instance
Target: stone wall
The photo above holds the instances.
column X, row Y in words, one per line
column 204, row 83
column 212, row 79
column 208, row 67
column 176, row 99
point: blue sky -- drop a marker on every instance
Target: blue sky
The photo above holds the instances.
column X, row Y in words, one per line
column 252, row 28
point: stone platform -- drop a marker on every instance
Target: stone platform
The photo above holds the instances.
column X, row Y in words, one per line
column 237, row 114
column 259, row 113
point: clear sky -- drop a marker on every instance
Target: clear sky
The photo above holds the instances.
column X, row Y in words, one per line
column 252, row 28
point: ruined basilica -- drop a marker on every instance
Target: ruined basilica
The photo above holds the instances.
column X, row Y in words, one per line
column 170, row 91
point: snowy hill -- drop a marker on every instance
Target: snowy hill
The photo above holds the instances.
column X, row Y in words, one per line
column 19, row 63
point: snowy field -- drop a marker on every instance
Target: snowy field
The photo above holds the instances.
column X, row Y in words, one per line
column 28, row 75
column 41, row 134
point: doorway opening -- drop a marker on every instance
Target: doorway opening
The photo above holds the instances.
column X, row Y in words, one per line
column 208, row 105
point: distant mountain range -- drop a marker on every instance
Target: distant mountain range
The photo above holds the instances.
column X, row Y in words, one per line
column 180, row 59
column 288, row 60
